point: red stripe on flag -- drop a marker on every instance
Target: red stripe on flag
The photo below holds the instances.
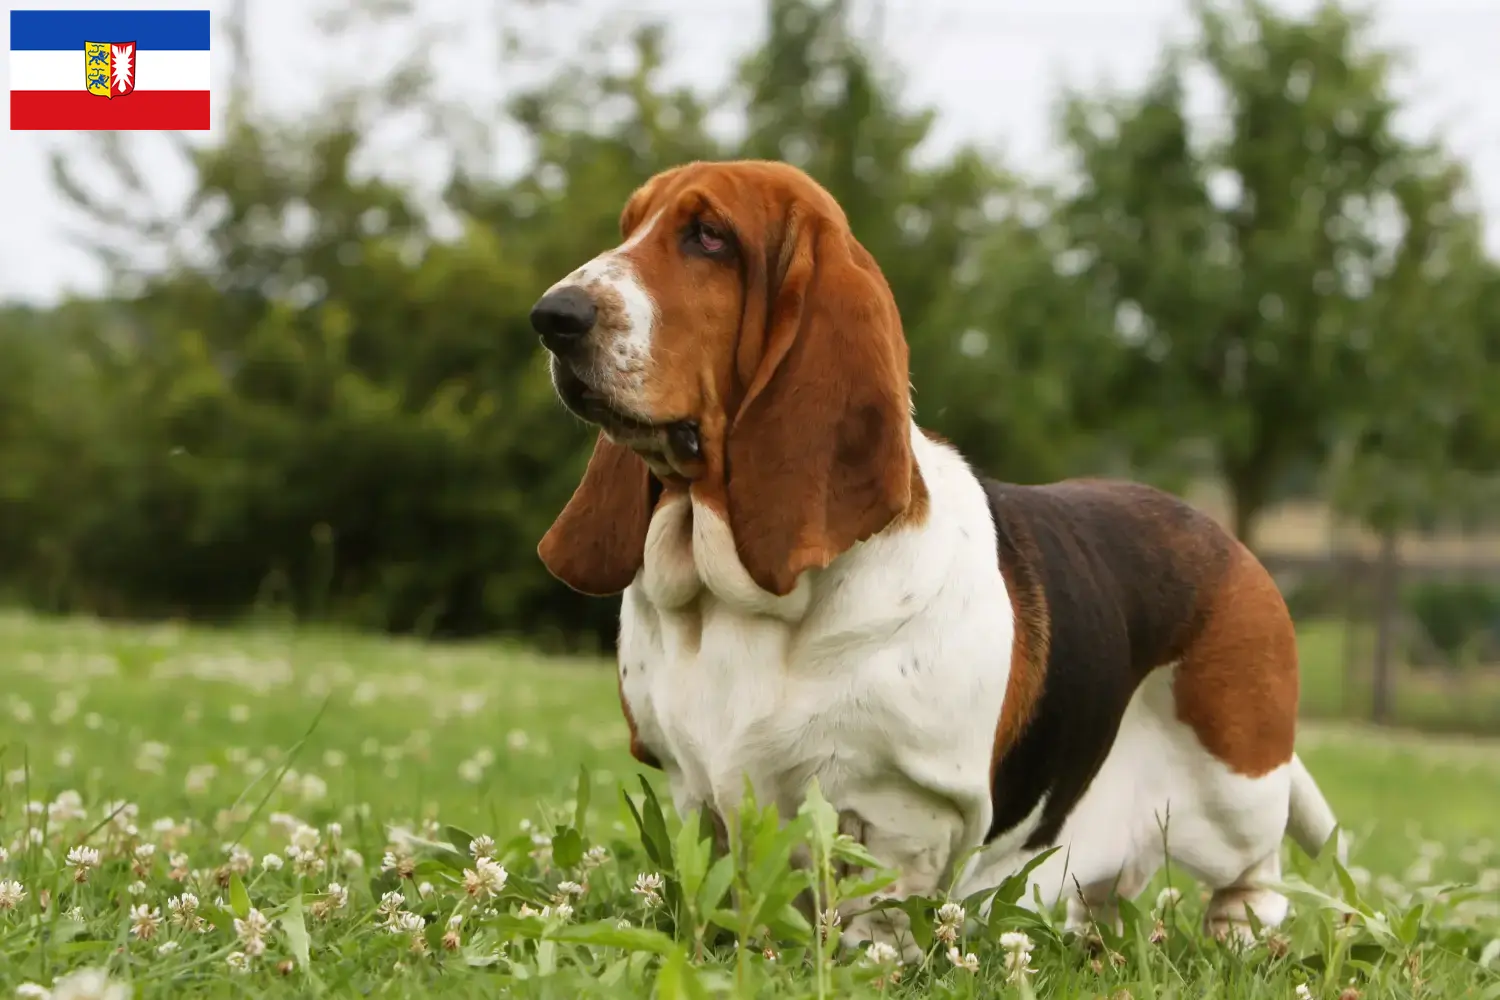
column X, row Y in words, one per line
column 78, row 109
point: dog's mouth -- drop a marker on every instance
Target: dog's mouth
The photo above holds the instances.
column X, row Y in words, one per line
column 672, row 448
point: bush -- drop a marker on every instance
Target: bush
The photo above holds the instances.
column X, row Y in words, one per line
column 1457, row 619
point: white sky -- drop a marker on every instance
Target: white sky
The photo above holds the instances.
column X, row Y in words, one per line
column 992, row 69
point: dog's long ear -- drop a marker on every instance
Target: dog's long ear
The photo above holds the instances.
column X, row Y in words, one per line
column 819, row 452
column 598, row 542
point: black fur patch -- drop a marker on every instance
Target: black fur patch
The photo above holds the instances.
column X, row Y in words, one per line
column 1124, row 572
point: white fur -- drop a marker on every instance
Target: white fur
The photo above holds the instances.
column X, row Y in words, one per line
column 882, row 677
column 623, row 349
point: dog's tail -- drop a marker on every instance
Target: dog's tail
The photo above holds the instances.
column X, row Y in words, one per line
column 1310, row 820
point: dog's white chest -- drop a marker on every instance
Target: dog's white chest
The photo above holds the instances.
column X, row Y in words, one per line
column 879, row 676
column 721, row 697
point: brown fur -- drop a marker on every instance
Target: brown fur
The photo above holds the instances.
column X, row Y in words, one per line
column 790, row 358
column 1109, row 581
column 1237, row 685
column 598, row 542
column 1029, row 647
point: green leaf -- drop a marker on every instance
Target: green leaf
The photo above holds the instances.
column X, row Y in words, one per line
column 848, row 849
column 383, row 883
column 692, row 858
column 581, row 809
column 654, row 829
column 1014, row 887
column 295, row 927
column 1411, row 925
column 916, row 908
column 459, row 838
column 787, row 922
column 822, row 817
column 720, row 877
column 567, row 847
column 857, row 887
column 239, row 899
column 1346, row 883
column 678, row 980
column 608, row 934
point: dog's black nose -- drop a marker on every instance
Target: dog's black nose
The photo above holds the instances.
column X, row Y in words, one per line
column 563, row 318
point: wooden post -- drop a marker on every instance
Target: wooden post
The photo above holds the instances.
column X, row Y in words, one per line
column 1387, row 614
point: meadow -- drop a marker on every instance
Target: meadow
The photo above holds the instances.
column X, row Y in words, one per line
column 271, row 811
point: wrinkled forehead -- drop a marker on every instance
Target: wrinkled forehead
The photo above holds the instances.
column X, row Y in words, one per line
column 747, row 196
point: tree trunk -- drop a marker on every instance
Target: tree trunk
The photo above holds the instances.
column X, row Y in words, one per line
column 1387, row 610
column 1248, row 493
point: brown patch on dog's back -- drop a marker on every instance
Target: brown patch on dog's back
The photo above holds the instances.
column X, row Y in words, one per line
column 1237, row 683
column 1030, row 644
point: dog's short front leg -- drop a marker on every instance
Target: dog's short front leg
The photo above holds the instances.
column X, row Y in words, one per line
column 918, row 847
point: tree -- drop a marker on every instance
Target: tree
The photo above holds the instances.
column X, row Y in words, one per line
column 965, row 246
column 1253, row 276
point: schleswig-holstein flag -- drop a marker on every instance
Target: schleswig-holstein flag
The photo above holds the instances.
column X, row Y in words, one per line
column 109, row 69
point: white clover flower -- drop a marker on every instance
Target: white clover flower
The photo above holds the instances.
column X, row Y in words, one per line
column 1017, row 947
column 969, row 962
column 33, row 991
column 66, row 808
column 950, row 923
column 89, row 984
column 167, row 947
column 240, row 859
column 199, row 778
column 145, row 852
column 238, row 962
column 144, row 921
column 12, row 894
column 351, row 859
column 482, row 846
column 136, row 888
column 648, row 887
column 252, row 932
column 485, row 880
column 83, row 859
column 566, row 888
column 562, row 911
column 4, row 855
column 272, row 862
column 312, row 788
column 882, row 955
column 407, row 922
column 306, row 838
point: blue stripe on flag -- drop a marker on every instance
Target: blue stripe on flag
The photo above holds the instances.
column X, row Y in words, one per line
column 59, row 30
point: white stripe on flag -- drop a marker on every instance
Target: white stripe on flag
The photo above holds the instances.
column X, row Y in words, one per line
column 156, row 69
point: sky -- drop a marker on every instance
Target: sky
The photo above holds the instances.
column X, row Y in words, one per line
column 992, row 69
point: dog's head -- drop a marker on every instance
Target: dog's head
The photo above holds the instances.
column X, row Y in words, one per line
column 740, row 344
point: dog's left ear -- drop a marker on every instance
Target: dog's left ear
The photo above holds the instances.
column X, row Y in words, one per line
column 598, row 543
column 819, row 452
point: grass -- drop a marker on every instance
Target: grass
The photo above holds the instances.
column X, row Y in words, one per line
column 331, row 752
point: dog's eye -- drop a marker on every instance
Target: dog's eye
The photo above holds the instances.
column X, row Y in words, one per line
column 707, row 237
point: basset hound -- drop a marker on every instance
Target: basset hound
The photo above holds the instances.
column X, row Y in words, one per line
column 816, row 588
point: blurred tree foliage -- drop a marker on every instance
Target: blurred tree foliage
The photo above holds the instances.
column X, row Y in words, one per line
column 1298, row 278
column 328, row 411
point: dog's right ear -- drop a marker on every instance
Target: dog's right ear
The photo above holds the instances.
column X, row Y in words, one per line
column 598, row 543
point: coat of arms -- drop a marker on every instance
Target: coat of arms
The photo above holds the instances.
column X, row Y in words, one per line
column 109, row 68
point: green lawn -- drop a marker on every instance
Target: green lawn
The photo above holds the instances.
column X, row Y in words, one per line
column 219, row 738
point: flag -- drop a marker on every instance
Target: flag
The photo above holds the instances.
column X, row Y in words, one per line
column 109, row 69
